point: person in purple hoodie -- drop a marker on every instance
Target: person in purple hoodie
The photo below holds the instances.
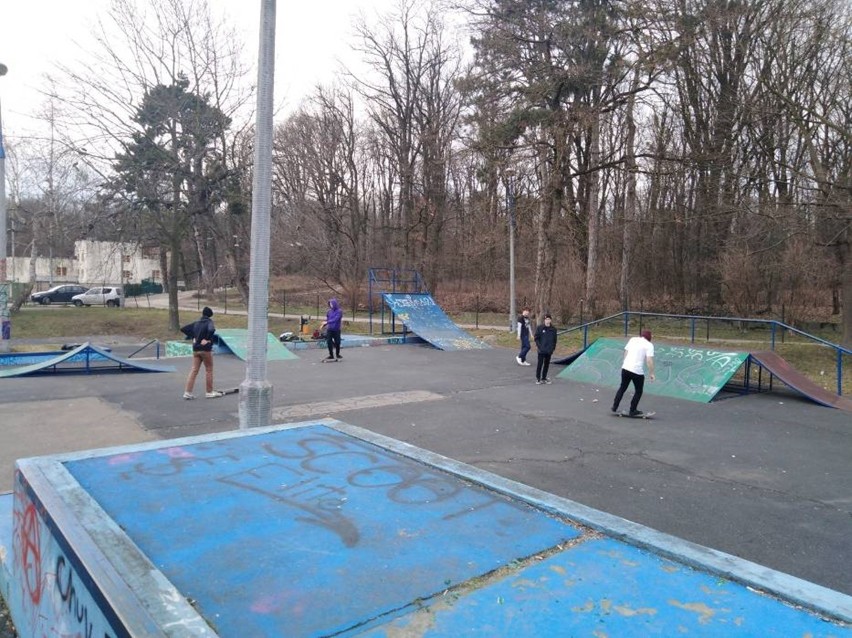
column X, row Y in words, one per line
column 333, row 319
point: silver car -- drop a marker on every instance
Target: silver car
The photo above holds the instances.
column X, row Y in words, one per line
column 106, row 296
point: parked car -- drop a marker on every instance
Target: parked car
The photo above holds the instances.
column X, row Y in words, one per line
column 57, row 294
column 107, row 296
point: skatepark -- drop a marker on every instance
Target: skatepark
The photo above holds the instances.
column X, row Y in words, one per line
column 426, row 492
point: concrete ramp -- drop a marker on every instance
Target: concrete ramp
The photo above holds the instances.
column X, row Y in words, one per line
column 85, row 358
column 424, row 317
column 683, row 372
column 236, row 340
column 781, row 368
column 324, row 529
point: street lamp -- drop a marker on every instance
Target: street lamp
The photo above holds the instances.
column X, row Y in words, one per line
column 5, row 320
column 510, row 207
column 255, row 390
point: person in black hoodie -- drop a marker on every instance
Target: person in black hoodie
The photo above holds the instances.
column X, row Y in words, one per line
column 201, row 332
column 545, row 341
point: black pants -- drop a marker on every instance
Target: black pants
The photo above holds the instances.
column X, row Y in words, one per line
column 542, row 366
column 333, row 340
column 638, row 385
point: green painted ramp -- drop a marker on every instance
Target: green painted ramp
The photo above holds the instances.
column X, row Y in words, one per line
column 683, row 372
column 236, row 340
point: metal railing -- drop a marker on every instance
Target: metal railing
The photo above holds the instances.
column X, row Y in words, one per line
column 138, row 350
column 774, row 325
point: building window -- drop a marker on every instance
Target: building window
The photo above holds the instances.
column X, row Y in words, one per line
column 125, row 259
column 151, row 252
column 126, row 275
column 61, row 271
column 155, row 275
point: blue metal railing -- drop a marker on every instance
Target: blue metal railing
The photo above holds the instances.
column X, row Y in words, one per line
column 774, row 326
column 392, row 280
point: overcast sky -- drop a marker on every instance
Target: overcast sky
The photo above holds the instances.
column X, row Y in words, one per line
column 311, row 35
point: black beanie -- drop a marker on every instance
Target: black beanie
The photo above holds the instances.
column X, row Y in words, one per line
column 207, row 312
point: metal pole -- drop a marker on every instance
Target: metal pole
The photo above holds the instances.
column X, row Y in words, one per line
column 256, row 391
column 5, row 287
column 510, row 194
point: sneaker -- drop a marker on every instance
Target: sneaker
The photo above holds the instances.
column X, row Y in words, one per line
column 525, row 363
column 518, row 359
column 188, row 396
column 636, row 413
column 547, row 381
column 614, row 408
column 339, row 358
column 537, row 382
column 214, row 395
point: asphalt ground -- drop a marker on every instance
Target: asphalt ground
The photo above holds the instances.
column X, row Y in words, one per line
column 763, row 477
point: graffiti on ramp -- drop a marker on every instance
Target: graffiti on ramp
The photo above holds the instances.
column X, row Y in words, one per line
column 424, row 317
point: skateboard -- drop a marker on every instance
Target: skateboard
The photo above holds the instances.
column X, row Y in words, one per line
column 626, row 415
column 228, row 391
column 330, row 360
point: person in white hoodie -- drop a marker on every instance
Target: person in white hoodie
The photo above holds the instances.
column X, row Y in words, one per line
column 638, row 353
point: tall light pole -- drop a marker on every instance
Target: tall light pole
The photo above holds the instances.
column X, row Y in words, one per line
column 255, row 390
column 5, row 287
column 510, row 206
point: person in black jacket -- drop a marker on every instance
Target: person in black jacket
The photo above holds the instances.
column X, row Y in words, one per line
column 201, row 332
column 545, row 341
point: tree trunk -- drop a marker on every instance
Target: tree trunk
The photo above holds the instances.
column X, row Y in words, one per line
column 174, row 258
column 629, row 196
column 592, row 204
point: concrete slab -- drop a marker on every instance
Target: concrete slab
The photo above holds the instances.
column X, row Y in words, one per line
column 36, row 428
column 603, row 587
column 323, row 528
column 339, row 513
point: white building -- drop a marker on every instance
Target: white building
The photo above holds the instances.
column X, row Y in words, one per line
column 94, row 263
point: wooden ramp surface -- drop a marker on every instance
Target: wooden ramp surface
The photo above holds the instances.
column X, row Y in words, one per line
column 782, row 369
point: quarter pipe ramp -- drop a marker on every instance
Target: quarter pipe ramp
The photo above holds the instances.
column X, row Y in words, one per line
column 781, row 368
column 683, row 372
column 424, row 317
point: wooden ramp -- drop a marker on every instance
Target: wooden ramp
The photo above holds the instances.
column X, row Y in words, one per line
column 781, row 368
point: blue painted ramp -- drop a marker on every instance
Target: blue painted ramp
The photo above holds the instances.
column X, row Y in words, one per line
column 87, row 359
column 308, row 532
column 424, row 317
column 605, row 587
column 325, row 529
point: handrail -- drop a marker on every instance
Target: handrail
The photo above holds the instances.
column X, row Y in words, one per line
column 138, row 350
column 773, row 323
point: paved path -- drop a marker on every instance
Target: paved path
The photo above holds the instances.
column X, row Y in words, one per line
column 762, row 477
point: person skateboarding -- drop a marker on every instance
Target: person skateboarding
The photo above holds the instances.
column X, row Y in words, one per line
column 332, row 325
column 201, row 332
column 545, row 342
column 638, row 353
column 524, row 331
